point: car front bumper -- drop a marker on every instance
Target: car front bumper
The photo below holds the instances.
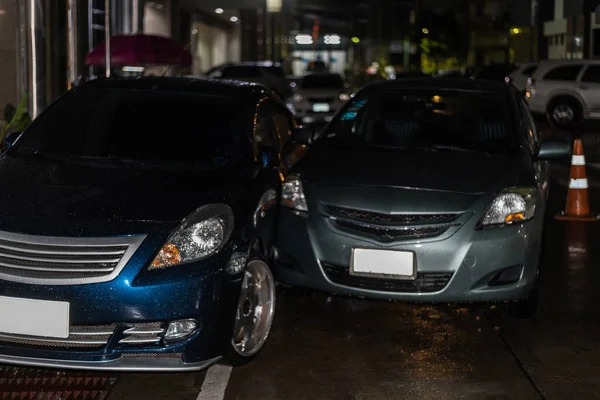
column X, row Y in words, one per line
column 146, row 301
column 454, row 267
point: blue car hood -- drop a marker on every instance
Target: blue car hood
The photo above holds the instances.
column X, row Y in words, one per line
column 54, row 191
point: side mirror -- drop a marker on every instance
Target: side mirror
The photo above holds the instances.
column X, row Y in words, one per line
column 553, row 149
column 304, row 135
column 10, row 140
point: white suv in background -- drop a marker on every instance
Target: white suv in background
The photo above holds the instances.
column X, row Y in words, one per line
column 566, row 91
column 519, row 76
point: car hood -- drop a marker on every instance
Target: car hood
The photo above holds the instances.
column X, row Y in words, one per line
column 419, row 180
column 56, row 190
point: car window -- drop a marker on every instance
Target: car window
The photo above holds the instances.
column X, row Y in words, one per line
column 591, row 74
column 146, row 125
column 322, row 81
column 564, row 73
column 426, row 118
column 529, row 123
column 240, row 71
column 529, row 70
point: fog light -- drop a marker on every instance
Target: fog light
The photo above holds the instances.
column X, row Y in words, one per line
column 180, row 329
column 236, row 263
column 507, row 276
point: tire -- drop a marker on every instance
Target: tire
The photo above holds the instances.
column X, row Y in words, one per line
column 252, row 300
column 565, row 112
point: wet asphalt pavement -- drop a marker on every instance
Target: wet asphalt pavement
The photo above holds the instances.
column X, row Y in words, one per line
column 324, row 347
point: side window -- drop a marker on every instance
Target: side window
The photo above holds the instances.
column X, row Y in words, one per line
column 529, row 125
column 591, row 74
column 240, row 71
column 283, row 126
column 263, row 134
column 564, row 73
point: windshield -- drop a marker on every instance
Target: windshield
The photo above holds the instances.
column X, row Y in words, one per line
column 442, row 119
column 322, row 81
column 145, row 125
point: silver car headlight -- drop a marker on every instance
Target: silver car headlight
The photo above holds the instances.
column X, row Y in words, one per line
column 292, row 194
column 344, row 97
column 202, row 234
column 512, row 205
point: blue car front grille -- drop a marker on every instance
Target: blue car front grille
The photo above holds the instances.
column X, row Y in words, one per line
column 63, row 260
column 79, row 337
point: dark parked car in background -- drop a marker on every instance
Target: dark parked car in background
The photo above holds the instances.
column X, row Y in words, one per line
column 135, row 223
column 426, row 189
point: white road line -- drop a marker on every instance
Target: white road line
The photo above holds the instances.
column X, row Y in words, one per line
column 215, row 383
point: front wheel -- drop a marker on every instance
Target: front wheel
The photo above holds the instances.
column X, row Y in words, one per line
column 254, row 313
column 565, row 112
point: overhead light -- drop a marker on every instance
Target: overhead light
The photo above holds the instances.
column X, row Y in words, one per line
column 194, row 31
column 219, row 10
column 304, row 39
column 515, row 31
column 425, row 31
column 355, row 40
column 2, row 12
column 131, row 68
column 332, row 39
column 234, row 19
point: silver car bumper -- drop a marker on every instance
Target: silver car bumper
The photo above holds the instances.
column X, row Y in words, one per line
column 456, row 267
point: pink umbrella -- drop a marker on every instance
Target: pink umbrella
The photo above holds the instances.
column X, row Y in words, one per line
column 141, row 50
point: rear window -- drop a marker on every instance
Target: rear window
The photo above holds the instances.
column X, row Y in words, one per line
column 240, row 72
column 139, row 124
column 421, row 118
column 322, row 81
column 529, row 70
column 564, row 73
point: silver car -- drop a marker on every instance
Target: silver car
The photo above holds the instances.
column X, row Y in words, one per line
column 318, row 97
column 426, row 189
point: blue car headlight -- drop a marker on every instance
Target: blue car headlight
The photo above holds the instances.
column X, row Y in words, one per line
column 201, row 234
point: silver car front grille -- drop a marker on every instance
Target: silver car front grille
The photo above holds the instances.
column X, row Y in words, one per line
column 79, row 337
column 64, row 260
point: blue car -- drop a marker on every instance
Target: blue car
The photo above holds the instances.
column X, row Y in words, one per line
column 135, row 226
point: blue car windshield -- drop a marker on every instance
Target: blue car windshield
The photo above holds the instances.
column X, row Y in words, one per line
column 144, row 125
column 433, row 119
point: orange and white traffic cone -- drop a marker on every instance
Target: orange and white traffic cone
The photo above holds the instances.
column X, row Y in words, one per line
column 578, row 199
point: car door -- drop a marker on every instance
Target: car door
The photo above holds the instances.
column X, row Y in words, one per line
column 589, row 88
column 268, row 175
column 541, row 168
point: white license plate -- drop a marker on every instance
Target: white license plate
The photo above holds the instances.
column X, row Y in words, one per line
column 383, row 263
column 34, row 317
column 321, row 107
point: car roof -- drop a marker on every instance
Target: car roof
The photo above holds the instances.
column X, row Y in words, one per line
column 428, row 83
column 188, row 85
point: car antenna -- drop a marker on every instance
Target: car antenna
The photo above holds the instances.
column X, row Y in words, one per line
column 186, row 48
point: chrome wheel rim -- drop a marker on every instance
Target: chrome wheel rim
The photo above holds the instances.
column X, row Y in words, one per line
column 563, row 113
column 255, row 311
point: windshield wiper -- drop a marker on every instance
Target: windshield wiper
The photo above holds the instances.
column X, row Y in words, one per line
column 443, row 147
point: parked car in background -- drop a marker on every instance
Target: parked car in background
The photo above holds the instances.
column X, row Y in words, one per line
column 429, row 190
column 318, row 96
column 264, row 72
column 520, row 75
column 566, row 91
column 136, row 236
column 494, row 72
